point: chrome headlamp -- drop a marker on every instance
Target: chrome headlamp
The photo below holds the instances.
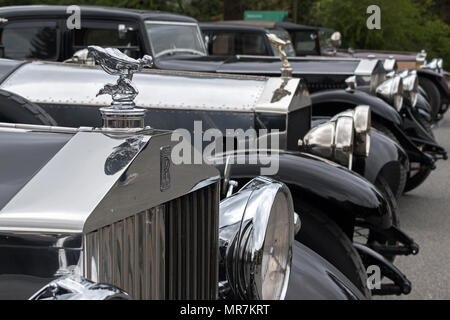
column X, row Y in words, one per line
column 436, row 64
column 420, row 58
column 256, row 237
column 345, row 135
column 410, row 86
column 391, row 90
column 363, row 122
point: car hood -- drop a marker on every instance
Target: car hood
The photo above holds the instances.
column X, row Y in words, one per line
column 259, row 65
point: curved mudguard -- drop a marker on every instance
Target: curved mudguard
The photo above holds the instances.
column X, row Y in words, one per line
column 330, row 102
column 314, row 278
column 386, row 157
column 438, row 79
column 338, row 192
column 424, row 107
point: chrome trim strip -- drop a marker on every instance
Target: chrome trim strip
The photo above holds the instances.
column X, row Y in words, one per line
column 57, row 199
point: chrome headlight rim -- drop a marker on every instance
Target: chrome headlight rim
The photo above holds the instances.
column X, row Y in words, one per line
column 247, row 238
column 391, row 90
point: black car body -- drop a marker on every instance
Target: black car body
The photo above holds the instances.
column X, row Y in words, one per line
column 136, row 24
column 107, row 213
column 227, row 102
column 432, row 77
column 100, row 26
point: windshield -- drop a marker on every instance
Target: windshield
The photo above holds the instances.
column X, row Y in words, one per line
column 170, row 38
column 283, row 35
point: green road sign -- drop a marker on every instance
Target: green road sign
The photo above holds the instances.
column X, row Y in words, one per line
column 266, row 15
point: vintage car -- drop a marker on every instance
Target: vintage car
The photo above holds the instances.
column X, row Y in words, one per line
column 433, row 79
column 310, row 41
column 104, row 213
column 175, row 43
column 399, row 90
column 235, row 102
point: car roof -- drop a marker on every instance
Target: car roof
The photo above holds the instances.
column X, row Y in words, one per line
column 255, row 25
column 91, row 11
column 295, row 26
column 237, row 26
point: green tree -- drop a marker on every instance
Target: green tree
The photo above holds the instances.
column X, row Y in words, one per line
column 405, row 25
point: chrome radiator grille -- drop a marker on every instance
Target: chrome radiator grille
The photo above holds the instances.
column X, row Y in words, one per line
column 166, row 252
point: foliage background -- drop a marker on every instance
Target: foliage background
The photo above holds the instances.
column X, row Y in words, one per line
column 406, row 25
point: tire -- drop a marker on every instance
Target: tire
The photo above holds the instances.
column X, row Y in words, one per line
column 324, row 236
column 16, row 109
column 433, row 94
column 366, row 236
column 413, row 180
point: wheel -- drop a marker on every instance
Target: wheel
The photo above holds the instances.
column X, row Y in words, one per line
column 416, row 175
column 324, row 236
column 433, row 94
column 366, row 236
column 16, row 109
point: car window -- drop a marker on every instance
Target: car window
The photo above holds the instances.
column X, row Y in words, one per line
column 251, row 44
column 170, row 38
column 120, row 36
column 305, row 41
column 223, row 44
column 30, row 40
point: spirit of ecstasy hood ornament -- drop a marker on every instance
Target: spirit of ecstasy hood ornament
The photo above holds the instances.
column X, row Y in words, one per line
column 122, row 113
column 286, row 69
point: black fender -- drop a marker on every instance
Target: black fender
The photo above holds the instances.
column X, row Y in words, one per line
column 314, row 278
column 335, row 190
column 386, row 159
column 424, row 107
column 16, row 109
column 438, row 79
column 419, row 135
column 330, row 102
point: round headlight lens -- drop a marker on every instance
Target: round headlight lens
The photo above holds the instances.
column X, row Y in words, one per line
column 275, row 263
column 258, row 249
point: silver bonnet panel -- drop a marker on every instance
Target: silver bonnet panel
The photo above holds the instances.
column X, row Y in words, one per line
column 74, row 84
column 97, row 179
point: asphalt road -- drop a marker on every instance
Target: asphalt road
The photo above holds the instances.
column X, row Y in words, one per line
column 425, row 216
